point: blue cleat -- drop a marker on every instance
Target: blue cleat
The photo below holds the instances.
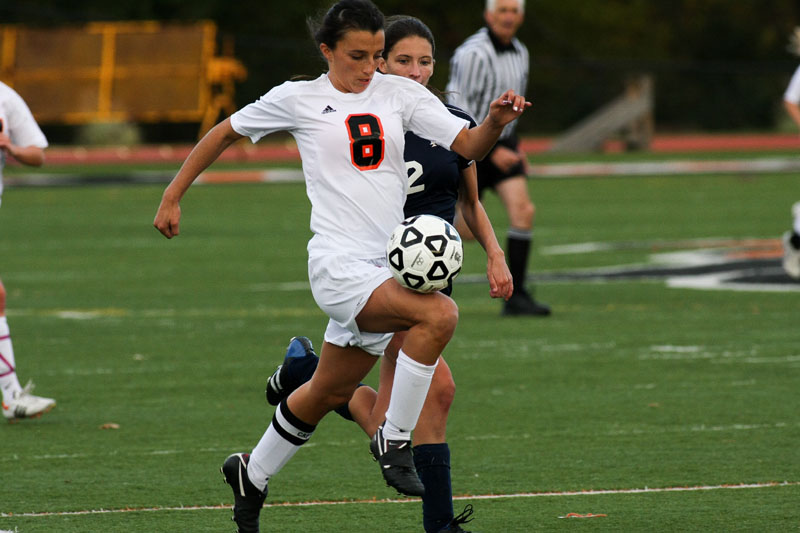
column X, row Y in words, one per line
column 298, row 366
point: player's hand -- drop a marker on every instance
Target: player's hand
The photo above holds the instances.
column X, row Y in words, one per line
column 168, row 218
column 508, row 107
column 501, row 284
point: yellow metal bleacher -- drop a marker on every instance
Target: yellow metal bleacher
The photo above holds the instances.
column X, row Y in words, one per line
column 120, row 72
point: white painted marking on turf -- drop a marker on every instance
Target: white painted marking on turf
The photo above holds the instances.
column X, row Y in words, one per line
column 552, row 494
column 698, row 428
column 671, row 348
column 719, row 281
column 664, row 168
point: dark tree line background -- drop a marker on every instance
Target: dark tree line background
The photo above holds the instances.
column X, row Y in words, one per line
column 718, row 65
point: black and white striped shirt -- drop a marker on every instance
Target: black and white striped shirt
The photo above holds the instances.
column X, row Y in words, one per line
column 480, row 72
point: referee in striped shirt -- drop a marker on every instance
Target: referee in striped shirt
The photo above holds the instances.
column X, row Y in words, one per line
column 489, row 62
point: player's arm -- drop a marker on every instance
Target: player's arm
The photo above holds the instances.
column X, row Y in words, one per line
column 202, row 155
column 27, row 155
column 794, row 111
column 474, row 215
column 475, row 143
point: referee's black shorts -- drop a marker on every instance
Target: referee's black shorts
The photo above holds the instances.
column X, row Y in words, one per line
column 489, row 175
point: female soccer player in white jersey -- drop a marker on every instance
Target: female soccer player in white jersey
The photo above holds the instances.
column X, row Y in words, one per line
column 349, row 125
column 438, row 179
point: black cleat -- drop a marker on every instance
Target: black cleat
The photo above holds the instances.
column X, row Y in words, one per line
column 397, row 464
column 300, row 359
column 455, row 524
column 522, row 304
column 248, row 500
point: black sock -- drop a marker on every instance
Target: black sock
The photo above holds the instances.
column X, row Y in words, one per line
column 794, row 240
column 518, row 248
column 432, row 462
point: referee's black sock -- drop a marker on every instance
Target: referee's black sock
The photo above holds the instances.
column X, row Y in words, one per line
column 518, row 248
column 794, row 240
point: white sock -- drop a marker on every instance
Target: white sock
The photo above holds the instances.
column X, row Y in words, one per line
column 796, row 215
column 411, row 383
column 8, row 375
column 284, row 436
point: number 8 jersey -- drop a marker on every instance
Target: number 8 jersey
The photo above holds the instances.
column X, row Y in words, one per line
column 351, row 146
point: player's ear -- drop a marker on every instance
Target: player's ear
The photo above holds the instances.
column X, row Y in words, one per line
column 382, row 66
column 327, row 52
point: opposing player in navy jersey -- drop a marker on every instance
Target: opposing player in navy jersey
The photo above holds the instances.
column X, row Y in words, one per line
column 438, row 179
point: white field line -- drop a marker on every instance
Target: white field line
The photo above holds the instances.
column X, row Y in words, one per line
column 554, row 494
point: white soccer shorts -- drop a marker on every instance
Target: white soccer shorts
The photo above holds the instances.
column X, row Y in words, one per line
column 341, row 286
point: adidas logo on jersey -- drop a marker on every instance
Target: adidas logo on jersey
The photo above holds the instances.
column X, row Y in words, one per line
column 328, row 109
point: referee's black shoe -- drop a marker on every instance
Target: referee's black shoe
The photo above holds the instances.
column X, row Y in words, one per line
column 522, row 304
column 247, row 499
column 397, row 464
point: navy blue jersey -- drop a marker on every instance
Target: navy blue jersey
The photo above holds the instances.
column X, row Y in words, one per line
column 433, row 175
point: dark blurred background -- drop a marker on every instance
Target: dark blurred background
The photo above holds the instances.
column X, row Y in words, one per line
column 717, row 65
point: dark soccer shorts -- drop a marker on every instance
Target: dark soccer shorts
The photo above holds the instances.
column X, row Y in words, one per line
column 489, row 175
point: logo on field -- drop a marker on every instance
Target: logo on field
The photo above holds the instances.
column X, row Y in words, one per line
column 726, row 264
column 718, row 264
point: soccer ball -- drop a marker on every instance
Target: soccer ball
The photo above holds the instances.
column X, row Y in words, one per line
column 424, row 253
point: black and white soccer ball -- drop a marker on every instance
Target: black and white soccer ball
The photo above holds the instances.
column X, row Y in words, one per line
column 425, row 253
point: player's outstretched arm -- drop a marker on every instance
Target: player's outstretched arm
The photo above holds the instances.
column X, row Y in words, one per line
column 206, row 151
column 501, row 284
column 475, row 143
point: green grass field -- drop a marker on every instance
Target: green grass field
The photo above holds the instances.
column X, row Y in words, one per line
column 629, row 385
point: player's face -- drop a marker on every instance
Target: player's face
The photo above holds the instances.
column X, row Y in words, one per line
column 411, row 57
column 505, row 19
column 352, row 64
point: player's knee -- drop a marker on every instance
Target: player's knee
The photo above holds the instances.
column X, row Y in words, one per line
column 521, row 214
column 338, row 397
column 443, row 317
column 526, row 213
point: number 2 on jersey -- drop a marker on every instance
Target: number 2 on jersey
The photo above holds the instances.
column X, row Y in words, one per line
column 414, row 169
column 366, row 141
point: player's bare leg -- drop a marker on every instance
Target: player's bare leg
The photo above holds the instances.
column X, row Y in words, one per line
column 430, row 321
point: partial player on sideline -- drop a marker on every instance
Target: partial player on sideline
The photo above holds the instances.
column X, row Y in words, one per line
column 22, row 139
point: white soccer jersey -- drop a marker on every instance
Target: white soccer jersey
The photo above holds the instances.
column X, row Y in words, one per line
column 351, row 146
column 18, row 123
column 792, row 93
